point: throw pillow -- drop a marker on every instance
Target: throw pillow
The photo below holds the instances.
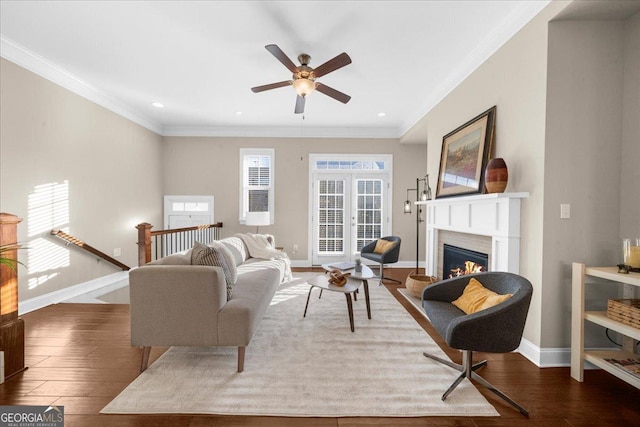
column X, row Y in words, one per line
column 383, row 246
column 228, row 256
column 206, row 255
column 476, row 297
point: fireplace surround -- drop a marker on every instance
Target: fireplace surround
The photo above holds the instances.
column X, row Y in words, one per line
column 496, row 216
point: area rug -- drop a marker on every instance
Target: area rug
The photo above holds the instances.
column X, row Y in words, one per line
column 312, row 367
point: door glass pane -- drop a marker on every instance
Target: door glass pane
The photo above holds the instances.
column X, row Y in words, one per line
column 369, row 211
column 331, row 216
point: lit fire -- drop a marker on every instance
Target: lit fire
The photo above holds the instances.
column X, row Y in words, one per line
column 470, row 267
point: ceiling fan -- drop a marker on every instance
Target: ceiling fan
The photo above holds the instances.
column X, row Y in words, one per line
column 304, row 76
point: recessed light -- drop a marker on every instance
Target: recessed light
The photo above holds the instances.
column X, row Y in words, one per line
column 157, row 105
column 382, row 114
column 238, row 113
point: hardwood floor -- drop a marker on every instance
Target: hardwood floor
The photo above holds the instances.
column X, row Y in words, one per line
column 79, row 356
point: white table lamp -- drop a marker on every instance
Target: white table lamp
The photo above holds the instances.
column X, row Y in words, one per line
column 257, row 219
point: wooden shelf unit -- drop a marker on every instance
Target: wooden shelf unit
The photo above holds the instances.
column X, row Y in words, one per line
column 579, row 316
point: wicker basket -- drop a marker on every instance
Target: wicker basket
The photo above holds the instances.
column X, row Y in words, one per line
column 415, row 283
column 626, row 311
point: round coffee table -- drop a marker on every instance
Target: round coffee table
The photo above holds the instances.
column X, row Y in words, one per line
column 353, row 283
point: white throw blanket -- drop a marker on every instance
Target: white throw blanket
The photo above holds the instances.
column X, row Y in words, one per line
column 259, row 246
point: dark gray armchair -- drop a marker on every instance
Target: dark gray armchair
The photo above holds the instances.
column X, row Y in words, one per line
column 495, row 330
column 388, row 257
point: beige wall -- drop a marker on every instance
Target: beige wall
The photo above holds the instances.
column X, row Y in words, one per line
column 210, row 166
column 513, row 79
column 582, row 165
column 630, row 177
column 111, row 165
column 568, row 117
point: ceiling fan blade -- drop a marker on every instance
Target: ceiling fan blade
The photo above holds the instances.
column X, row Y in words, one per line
column 271, row 86
column 332, row 65
column 300, row 100
column 335, row 94
column 282, row 57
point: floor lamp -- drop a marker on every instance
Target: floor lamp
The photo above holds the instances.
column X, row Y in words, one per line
column 257, row 219
column 420, row 197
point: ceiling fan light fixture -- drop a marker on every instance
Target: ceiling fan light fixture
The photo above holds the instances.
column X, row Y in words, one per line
column 303, row 86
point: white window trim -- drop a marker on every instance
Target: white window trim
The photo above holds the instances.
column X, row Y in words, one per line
column 244, row 152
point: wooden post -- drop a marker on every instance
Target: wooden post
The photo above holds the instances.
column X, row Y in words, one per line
column 11, row 327
column 144, row 243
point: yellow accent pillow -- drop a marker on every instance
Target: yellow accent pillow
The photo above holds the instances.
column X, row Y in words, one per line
column 476, row 297
column 383, row 246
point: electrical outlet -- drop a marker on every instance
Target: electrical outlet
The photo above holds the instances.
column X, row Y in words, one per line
column 295, row 248
column 117, row 252
column 565, row 211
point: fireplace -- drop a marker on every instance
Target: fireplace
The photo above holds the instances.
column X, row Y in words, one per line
column 494, row 217
column 460, row 261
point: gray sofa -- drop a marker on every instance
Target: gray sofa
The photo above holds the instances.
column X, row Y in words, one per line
column 174, row 303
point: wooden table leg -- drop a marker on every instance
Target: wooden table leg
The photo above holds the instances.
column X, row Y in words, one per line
column 366, row 297
column 350, row 308
column 307, row 305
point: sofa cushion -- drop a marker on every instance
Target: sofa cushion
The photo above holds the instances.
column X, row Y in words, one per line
column 237, row 248
column 253, row 264
column 240, row 317
column 207, row 255
column 229, row 258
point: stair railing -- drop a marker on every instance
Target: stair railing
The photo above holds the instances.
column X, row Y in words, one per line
column 153, row 245
column 84, row 246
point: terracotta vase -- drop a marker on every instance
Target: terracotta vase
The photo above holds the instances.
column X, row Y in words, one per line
column 496, row 175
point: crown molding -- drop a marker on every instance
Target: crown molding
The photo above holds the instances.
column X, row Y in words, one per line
column 282, row 132
column 35, row 63
column 25, row 58
column 516, row 20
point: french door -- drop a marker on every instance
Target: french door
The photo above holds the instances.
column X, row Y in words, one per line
column 349, row 210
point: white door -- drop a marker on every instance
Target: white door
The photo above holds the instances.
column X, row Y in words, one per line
column 185, row 221
column 187, row 211
column 369, row 217
column 184, row 212
column 349, row 211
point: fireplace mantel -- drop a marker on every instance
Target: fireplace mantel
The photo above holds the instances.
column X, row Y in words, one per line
column 496, row 215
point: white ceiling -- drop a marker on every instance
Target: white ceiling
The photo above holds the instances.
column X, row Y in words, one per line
column 200, row 58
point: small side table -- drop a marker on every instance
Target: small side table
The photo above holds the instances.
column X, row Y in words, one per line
column 353, row 283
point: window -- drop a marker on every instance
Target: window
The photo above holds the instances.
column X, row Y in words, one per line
column 256, row 181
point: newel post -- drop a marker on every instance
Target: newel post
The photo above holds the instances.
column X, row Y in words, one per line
column 144, row 243
column 11, row 327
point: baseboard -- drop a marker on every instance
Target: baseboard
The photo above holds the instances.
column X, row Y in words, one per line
column 550, row 357
column 545, row 357
column 301, row 263
column 70, row 292
column 306, row 263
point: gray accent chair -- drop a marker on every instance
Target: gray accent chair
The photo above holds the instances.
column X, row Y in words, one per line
column 388, row 257
column 495, row 330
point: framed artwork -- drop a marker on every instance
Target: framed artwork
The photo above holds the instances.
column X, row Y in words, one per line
column 464, row 156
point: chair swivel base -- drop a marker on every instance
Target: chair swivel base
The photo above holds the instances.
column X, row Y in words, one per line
column 383, row 277
column 467, row 370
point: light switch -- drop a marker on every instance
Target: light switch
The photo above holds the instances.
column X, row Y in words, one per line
column 565, row 211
